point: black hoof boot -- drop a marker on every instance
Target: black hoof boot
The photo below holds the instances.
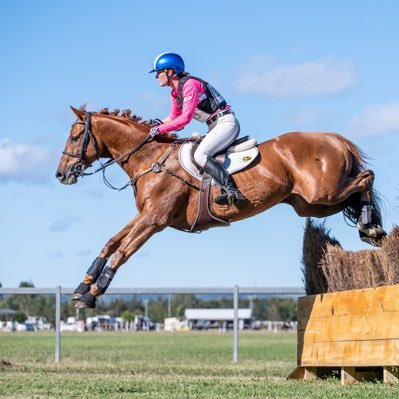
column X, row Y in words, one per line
column 80, row 291
column 86, row 301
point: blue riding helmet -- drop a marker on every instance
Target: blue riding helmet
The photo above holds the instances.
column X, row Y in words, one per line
column 168, row 61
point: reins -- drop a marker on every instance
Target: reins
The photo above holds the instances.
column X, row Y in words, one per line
column 112, row 161
column 156, row 167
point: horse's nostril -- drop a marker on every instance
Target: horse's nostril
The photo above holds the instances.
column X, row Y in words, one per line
column 59, row 175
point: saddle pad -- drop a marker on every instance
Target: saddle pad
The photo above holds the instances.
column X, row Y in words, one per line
column 232, row 162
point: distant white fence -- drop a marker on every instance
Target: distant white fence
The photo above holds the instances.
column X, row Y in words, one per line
column 235, row 291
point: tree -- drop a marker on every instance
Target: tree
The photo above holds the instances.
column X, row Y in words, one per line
column 157, row 310
column 19, row 317
column 181, row 302
column 275, row 309
column 34, row 305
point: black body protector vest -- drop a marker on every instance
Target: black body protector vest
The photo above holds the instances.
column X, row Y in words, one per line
column 212, row 102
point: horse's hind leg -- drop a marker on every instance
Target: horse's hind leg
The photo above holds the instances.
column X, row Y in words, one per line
column 364, row 208
column 368, row 214
column 362, row 183
column 95, row 270
column 369, row 223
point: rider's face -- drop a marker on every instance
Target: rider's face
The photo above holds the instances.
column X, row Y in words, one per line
column 162, row 77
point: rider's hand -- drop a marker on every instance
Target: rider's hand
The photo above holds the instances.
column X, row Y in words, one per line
column 155, row 122
column 154, row 131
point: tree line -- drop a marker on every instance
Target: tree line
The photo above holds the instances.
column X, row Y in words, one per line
column 157, row 308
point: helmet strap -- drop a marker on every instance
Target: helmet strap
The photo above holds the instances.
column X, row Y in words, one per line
column 175, row 75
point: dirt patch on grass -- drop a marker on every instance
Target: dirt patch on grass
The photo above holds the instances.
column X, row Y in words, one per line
column 4, row 362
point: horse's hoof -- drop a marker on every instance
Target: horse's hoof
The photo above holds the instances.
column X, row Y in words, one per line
column 375, row 242
column 372, row 230
column 371, row 241
column 76, row 296
column 80, row 291
column 86, row 301
column 82, row 305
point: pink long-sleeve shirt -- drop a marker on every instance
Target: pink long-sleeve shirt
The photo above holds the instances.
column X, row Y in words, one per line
column 193, row 93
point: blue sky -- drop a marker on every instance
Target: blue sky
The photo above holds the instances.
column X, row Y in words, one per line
column 283, row 66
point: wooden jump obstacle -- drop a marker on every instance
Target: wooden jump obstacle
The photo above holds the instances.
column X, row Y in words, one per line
column 351, row 334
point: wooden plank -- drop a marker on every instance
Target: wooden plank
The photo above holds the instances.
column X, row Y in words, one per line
column 350, row 353
column 303, row 373
column 320, row 304
column 388, row 297
column 391, row 375
column 355, row 302
column 350, row 327
column 348, row 375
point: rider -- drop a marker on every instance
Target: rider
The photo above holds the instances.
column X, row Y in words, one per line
column 192, row 97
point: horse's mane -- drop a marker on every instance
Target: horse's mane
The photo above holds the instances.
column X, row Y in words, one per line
column 126, row 114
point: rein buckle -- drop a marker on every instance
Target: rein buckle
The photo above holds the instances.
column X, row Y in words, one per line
column 156, row 167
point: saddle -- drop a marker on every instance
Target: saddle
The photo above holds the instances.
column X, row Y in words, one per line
column 235, row 158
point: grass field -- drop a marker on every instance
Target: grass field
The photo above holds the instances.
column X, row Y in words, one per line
column 161, row 365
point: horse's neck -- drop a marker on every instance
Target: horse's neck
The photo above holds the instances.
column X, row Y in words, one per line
column 119, row 139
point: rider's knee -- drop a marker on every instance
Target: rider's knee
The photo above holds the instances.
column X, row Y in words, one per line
column 200, row 158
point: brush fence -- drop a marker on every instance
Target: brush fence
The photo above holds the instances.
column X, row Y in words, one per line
column 351, row 334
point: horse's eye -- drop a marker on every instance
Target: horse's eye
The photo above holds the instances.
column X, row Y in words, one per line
column 75, row 139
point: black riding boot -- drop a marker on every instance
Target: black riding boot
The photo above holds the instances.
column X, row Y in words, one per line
column 219, row 174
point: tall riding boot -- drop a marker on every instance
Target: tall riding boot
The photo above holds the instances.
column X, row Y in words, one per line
column 232, row 195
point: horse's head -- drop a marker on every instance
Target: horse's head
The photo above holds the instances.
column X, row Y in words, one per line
column 81, row 149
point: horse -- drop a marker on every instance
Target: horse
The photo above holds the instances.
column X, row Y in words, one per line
column 318, row 173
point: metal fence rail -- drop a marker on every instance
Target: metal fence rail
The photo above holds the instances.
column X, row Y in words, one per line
column 162, row 290
column 235, row 291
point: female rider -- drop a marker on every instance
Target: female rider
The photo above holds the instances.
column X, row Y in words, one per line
column 192, row 97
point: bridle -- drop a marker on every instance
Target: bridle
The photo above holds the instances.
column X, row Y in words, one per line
column 78, row 168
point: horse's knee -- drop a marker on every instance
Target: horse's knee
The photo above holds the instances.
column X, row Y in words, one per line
column 110, row 247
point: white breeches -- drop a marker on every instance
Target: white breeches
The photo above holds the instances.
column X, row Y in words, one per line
column 221, row 134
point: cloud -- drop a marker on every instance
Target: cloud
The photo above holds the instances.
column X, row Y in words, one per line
column 83, row 252
column 64, row 223
column 56, row 255
column 324, row 77
column 23, row 162
column 94, row 193
column 376, row 120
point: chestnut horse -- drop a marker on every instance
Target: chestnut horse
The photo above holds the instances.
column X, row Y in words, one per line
column 318, row 174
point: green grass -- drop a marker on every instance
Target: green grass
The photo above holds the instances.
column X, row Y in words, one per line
column 153, row 365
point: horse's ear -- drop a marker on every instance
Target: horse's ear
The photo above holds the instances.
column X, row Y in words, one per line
column 79, row 113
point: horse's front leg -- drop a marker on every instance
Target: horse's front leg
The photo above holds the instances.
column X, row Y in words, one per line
column 94, row 271
column 142, row 228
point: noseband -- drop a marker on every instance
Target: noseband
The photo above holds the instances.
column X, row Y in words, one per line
column 78, row 168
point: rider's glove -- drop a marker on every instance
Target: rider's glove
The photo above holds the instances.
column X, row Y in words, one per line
column 154, row 131
column 155, row 122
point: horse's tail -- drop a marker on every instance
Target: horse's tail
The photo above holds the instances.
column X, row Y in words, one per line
column 352, row 206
